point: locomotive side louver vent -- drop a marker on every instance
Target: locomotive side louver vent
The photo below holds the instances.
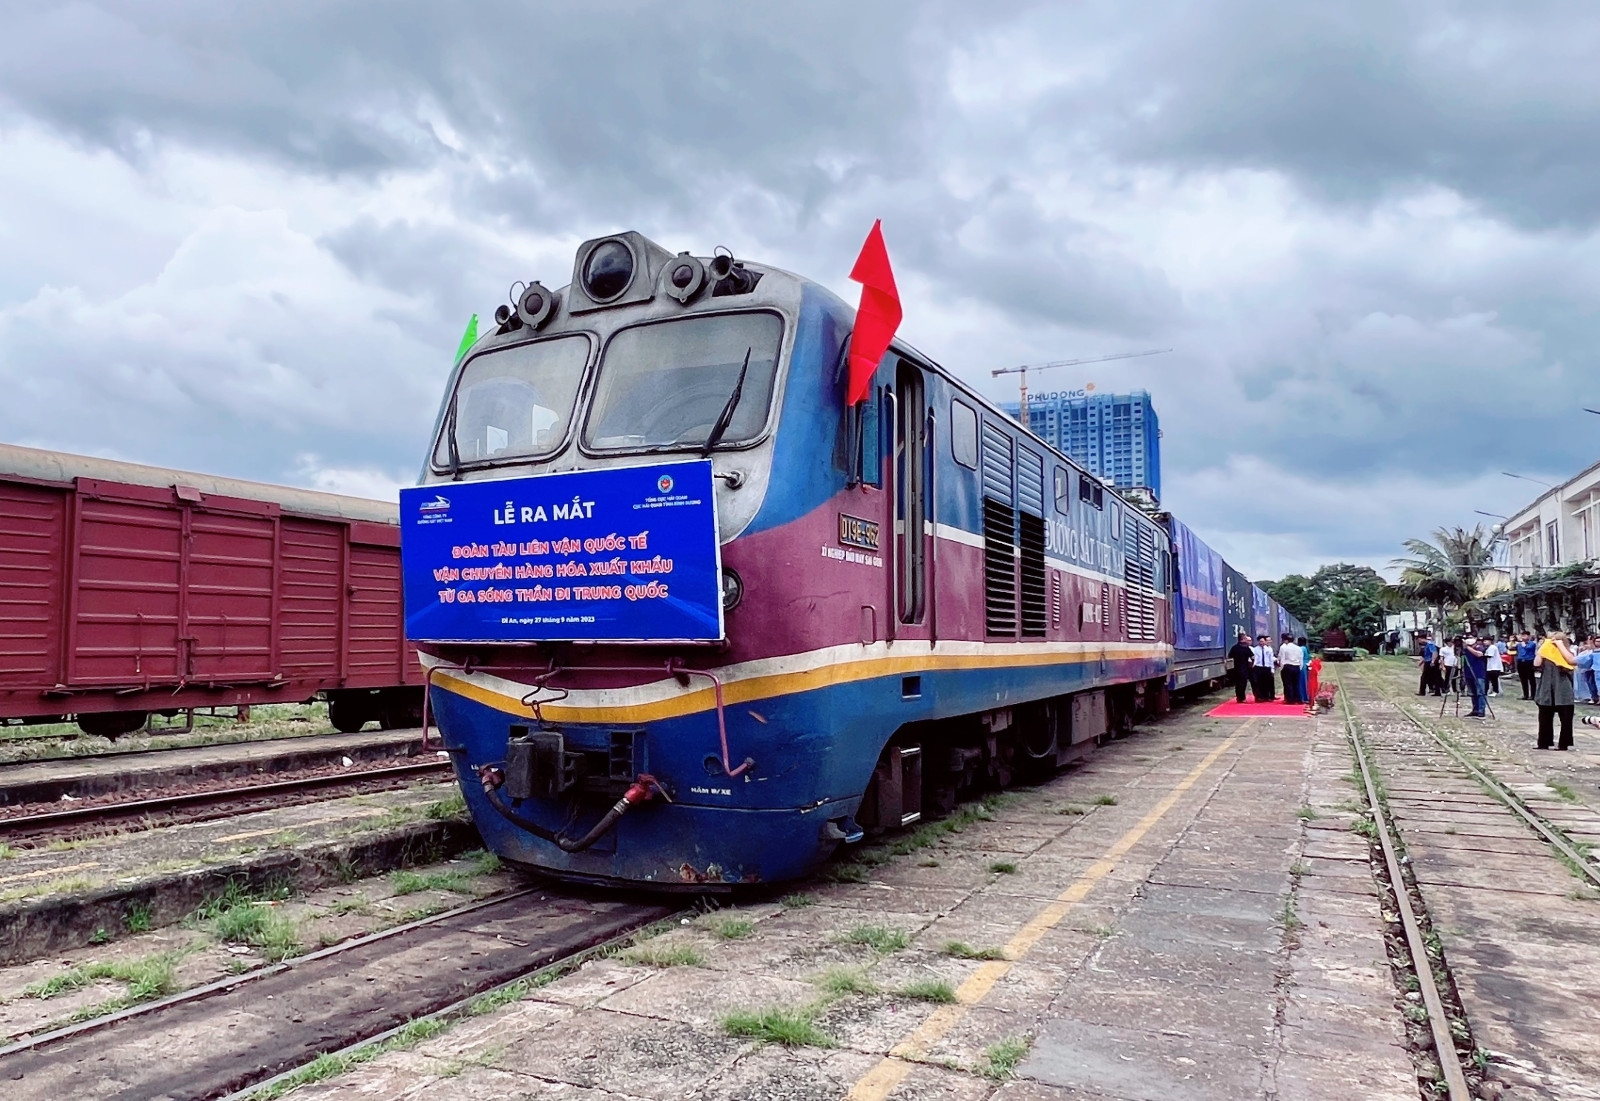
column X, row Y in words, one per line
column 1030, row 505
column 1140, row 575
column 1033, row 603
column 999, row 568
column 999, row 535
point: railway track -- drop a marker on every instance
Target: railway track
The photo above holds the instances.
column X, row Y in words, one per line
column 191, row 806
column 1455, row 834
column 233, row 1036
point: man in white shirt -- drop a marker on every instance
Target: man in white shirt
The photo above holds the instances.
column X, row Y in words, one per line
column 1496, row 654
column 1290, row 657
column 1266, row 662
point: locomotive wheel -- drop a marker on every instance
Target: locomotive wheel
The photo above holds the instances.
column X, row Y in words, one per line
column 347, row 716
column 112, row 724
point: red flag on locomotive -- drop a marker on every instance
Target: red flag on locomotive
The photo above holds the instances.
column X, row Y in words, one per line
column 878, row 316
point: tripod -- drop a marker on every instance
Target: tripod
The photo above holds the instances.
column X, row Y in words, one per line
column 1452, row 690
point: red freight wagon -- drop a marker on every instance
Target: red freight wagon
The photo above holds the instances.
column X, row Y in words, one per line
column 130, row 589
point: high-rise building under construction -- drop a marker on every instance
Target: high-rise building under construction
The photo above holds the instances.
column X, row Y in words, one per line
column 1115, row 436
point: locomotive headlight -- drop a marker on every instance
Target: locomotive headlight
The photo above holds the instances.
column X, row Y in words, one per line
column 732, row 590
column 608, row 270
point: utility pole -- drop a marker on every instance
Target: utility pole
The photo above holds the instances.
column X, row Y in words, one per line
column 1022, row 413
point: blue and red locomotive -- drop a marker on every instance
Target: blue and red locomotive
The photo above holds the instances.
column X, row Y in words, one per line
column 919, row 598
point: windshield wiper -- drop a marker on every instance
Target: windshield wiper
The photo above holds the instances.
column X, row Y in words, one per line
column 455, row 450
column 726, row 416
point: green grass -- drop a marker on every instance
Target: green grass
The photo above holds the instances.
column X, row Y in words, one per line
column 798, row 901
column 1072, row 809
column 929, row 990
column 146, row 978
column 789, row 1027
column 963, row 951
column 956, row 821
column 1105, row 800
column 663, row 955
column 839, row 981
column 481, row 862
column 139, row 918
column 6, row 851
column 260, row 926
column 879, row 938
column 236, row 893
column 1562, row 789
column 732, row 928
column 1003, row 867
column 1306, row 814
column 1288, row 917
column 845, row 872
column 927, row 862
column 407, row 882
column 452, row 806
column 1000, row 1059
column 324, row 1067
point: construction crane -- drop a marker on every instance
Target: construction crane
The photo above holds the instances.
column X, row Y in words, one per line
column 1022, row 413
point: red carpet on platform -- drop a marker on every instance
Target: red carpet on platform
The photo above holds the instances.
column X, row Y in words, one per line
column 1253, row 710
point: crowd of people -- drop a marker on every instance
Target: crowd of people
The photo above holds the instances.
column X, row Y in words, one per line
column 1552, row 674
column 1260, row 666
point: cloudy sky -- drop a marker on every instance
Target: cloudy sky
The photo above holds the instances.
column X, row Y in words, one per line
column 244, row 238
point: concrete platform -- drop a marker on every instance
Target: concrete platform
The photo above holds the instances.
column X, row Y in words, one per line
column 70, row 894
column 1153, row 925
column 89, row 776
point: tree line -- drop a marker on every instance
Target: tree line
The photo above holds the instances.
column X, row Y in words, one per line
column 1443, row 573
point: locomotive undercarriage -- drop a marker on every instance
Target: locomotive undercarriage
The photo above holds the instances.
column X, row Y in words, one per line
column 927, row 768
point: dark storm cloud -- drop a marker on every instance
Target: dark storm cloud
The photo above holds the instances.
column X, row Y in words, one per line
column 1368, row 231
column 1500, row 102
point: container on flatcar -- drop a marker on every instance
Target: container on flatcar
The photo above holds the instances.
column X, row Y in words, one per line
column 1238, row 611
column 1199, row 632
column 130, row 589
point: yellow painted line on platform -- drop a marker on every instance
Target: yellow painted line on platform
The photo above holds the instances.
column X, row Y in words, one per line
column 877, row 1083
column 49, row 871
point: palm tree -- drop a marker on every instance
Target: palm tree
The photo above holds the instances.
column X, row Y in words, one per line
column 1446, row 572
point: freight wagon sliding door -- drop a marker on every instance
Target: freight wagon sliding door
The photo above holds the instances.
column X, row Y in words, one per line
column 311, row 599
column 170, row 587
column 228, row 610
column 376, row 654
column 32, row 535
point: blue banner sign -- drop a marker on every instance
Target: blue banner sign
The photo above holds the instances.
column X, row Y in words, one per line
column 615, row 554
column 1198, row 612
column 1263, row 610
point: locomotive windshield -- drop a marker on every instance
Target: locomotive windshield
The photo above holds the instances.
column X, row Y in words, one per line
column 514, row 402
column 666, row 385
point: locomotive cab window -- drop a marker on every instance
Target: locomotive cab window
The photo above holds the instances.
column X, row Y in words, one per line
column 513, row 403
column 964, row 434
column 681, row 384
column 1063, row 490
column 1090, row 491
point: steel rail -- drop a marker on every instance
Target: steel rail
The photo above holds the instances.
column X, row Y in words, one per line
column 102, row 755
column 94, row 1024
column 455, row 1008
column 1444, row 1044
column 136, row 807
column 1545, row 829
